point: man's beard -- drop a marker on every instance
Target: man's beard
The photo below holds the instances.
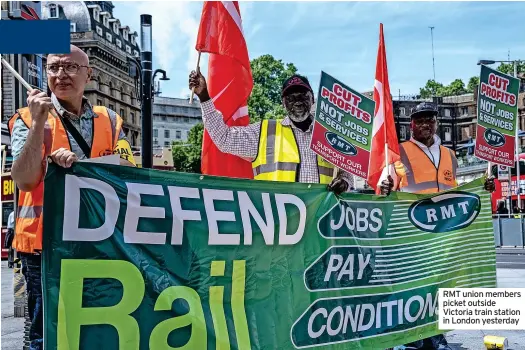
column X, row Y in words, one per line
column 299, row 114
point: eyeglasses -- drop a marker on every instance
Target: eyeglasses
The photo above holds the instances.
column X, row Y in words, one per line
column 69, row 68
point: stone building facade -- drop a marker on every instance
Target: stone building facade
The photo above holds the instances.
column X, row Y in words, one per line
column 172, row 119
column 111, row 47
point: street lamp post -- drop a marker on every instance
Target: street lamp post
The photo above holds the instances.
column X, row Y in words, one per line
column 136, row 72
column 163, row 78
column 518, row 186
column 147, row 118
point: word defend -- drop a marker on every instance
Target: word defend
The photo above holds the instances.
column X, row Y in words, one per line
column 497, row 117
column 481, row 308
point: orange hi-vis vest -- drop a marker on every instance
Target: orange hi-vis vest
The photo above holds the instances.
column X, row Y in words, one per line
column 419, row 174
column 28, row 227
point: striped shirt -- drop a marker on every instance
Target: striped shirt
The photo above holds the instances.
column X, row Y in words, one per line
column 243, row 141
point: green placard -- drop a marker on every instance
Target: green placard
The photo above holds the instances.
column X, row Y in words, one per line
column 343, row 124
column 144, row 259
column 497, row 111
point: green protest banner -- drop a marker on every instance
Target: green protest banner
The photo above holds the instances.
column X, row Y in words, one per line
column 497, row 126
column 143, row 259
column 342, row 131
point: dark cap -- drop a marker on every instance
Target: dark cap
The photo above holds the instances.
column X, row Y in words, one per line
column 424, row 109
column 296, row 83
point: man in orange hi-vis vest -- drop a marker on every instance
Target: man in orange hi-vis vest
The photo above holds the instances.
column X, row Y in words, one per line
column 64, row 127
column 426, row 166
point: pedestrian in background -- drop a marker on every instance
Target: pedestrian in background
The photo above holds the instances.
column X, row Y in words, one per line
column 8, row 242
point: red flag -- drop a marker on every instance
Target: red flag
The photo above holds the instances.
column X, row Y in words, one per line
column 229, row 80
column 384, row 136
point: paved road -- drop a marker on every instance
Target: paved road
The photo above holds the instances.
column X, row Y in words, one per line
column 12, row 328
column 510, row 261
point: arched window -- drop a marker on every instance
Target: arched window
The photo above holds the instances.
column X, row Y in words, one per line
column 53, row 11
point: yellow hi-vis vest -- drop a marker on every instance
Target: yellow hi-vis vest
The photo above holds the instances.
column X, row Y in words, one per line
column 421, row 175
column 278, row 157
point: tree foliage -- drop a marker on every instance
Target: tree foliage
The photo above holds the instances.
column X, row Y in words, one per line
column 431, row 88
column 455, row 88
column 268, row 76
column 508, row 68
column 473, row 84
column 187, row 154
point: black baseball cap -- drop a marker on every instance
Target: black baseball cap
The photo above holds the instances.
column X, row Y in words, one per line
column 296, row 83
column 424, row 109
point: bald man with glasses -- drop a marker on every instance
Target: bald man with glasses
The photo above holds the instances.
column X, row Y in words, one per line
column 64, row 127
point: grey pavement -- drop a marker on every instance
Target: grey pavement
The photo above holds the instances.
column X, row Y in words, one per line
column 12, row 328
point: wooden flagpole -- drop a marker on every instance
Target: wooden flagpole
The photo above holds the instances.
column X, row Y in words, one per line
column 17, row 76
column 198, row 71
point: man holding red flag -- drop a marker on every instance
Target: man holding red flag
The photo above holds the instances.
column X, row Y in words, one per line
column 277, row 149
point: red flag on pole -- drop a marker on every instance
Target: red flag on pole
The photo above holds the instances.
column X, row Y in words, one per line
column 229, row 80
column 385, row 146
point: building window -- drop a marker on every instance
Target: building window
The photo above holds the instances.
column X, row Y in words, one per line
column 119, row 43
column 448, row 134
column 166, row 143
column 105, row 20
column 125, row 34
column 166, row 134
column 110, row 106
column 99, row 103
column 402, row 111
column 109, row 37
column 402, row 132
column 128, row 49
column 163, row 118
column 122, row 113
column 135, row 53
column 178, row 134
column 133, row 39
column 464, row 110
column 96, row 15
column 155, row 132
column 447, row 112
column 132, row 117
column 465, row 133
column 156, row 143
column 99, row 31
column 53, row 11
column 115, row 27
column 72, row 27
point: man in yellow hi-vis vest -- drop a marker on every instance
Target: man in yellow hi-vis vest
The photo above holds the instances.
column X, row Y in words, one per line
column 64, row 127
column 426, row 166
column 278, row 149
